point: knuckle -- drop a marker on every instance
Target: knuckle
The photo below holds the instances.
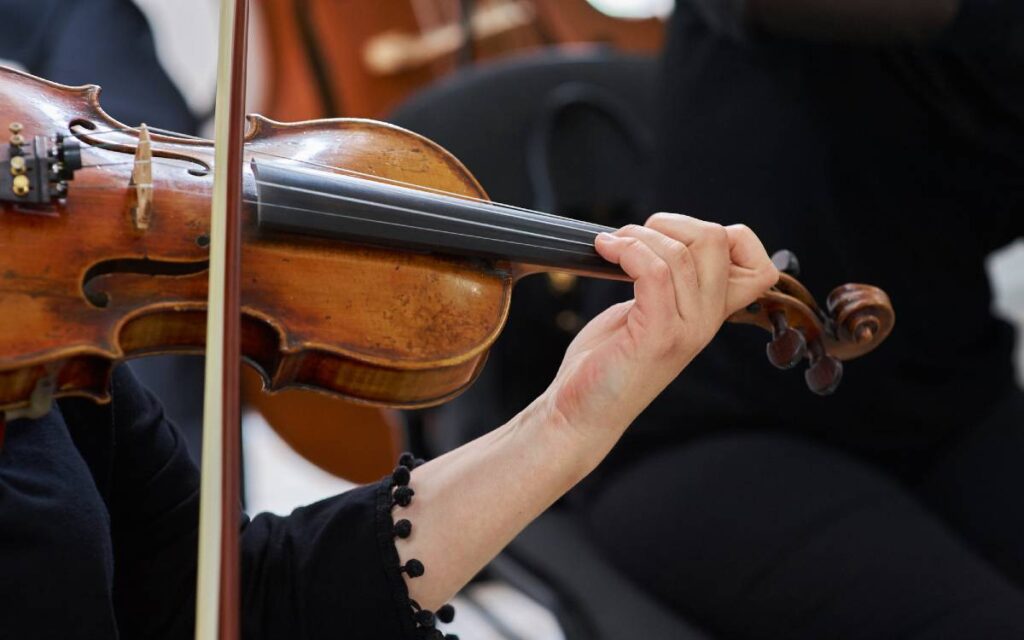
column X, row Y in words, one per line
column 631, row 229
column 678, row 252
column 741, row 231
column 660, row 272
column 660, row 218
column 632, row 244
column 716, row 235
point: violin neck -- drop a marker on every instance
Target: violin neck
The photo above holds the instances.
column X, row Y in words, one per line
column 343, row 207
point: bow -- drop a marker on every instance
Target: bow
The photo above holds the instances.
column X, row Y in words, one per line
column 218, row 583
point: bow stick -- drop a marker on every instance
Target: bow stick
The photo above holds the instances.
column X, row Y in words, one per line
column 217, row 583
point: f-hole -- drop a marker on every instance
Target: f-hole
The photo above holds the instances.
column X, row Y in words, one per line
column 135, row 266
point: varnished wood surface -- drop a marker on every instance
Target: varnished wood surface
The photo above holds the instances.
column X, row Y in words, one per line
column 379, row 326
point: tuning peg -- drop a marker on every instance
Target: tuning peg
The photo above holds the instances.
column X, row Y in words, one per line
column 786, row 262
column 825, row 373
column 788, row 346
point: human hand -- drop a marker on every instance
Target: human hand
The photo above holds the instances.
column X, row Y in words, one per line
column 689, row 277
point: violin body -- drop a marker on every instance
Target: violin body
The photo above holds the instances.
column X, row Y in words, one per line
column 84, row 287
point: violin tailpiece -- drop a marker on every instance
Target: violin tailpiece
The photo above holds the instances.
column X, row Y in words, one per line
column 36, row 169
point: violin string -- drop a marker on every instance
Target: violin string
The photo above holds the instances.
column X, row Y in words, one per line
column 554, row 221
column 165, row 132
column 402, row 183
column 342, row 170
column 420, row 212
column 481, row 205
column 119, row 163
column 488, row 207
column 485, row 205
column 432, row 229
column 311, row 163
column 414, row 227
column 587, row 247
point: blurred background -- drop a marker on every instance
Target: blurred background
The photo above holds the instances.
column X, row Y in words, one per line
column 550, row 104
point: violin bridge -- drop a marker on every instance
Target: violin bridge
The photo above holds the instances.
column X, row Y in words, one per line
column 142, row 180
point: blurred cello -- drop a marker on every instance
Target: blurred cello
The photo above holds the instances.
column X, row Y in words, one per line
column 333, row 58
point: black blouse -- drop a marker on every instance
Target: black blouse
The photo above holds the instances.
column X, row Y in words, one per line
column 98, row 533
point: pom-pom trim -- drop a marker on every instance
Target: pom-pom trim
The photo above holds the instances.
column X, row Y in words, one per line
column 396, row 493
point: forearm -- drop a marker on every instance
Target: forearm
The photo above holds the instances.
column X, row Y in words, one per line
column 471, row 502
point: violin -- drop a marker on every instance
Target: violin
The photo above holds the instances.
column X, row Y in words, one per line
column 372, row 264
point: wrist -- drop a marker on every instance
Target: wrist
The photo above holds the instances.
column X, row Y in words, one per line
column 576, row 445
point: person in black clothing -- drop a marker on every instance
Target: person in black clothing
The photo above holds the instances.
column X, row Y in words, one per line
column 99, row 504
column 882, row 141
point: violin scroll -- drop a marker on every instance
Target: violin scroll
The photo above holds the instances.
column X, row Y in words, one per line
column 862, row 313
column 856, row 319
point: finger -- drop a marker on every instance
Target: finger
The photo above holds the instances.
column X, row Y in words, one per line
column 709, row 244
column 752, row 271
column 652, row 278
column 677, row 257
column 745, row 248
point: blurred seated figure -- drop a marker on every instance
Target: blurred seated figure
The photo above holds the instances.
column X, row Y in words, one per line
column 882, row 141
column 104, row 42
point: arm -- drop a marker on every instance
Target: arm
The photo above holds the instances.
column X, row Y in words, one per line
column 689, row 277
column 334, row 565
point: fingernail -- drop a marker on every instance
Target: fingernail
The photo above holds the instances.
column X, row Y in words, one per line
column 605, row 236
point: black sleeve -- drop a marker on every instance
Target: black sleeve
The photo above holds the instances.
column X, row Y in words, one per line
column 329, row 570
